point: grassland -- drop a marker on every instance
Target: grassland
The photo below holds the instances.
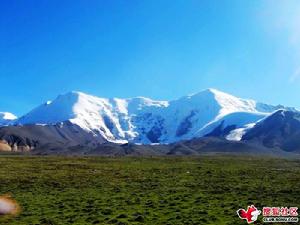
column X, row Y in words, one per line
column 150, row 191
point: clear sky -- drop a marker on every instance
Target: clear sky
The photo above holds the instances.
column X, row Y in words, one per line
column 162, row 49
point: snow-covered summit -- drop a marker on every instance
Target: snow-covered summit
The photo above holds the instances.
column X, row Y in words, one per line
column 6, row 118
column 107, row 117
column 143, row 120
column 225, row 102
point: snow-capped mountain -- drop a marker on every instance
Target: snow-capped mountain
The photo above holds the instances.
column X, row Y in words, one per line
column 6, row 118
column 143, row 120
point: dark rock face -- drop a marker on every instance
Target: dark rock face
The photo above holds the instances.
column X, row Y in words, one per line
column 155, row 127
column 108, row 123
column 280, row 130
column 154, row 134
column 185, row 125
column 221, row 131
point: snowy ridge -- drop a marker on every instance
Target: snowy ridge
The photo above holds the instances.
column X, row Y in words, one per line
column 236, row 120
column 109, row 118
column 143, row 120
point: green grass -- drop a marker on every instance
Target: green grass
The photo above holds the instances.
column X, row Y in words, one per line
column 151, row 191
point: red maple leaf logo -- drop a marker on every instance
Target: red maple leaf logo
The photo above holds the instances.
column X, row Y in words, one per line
column 250, row 215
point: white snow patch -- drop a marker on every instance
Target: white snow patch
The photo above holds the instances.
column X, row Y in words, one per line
column 6, row 118
column 237, row 134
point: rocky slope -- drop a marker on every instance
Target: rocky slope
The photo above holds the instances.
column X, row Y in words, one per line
column 279, row 130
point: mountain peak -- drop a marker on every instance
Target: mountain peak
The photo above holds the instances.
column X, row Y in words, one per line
column 71, row 94
column 226, row 102
column 6, row 118
column 212, row 90
column 219, row 93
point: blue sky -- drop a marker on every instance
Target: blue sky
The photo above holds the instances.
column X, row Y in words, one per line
column 162, row 49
